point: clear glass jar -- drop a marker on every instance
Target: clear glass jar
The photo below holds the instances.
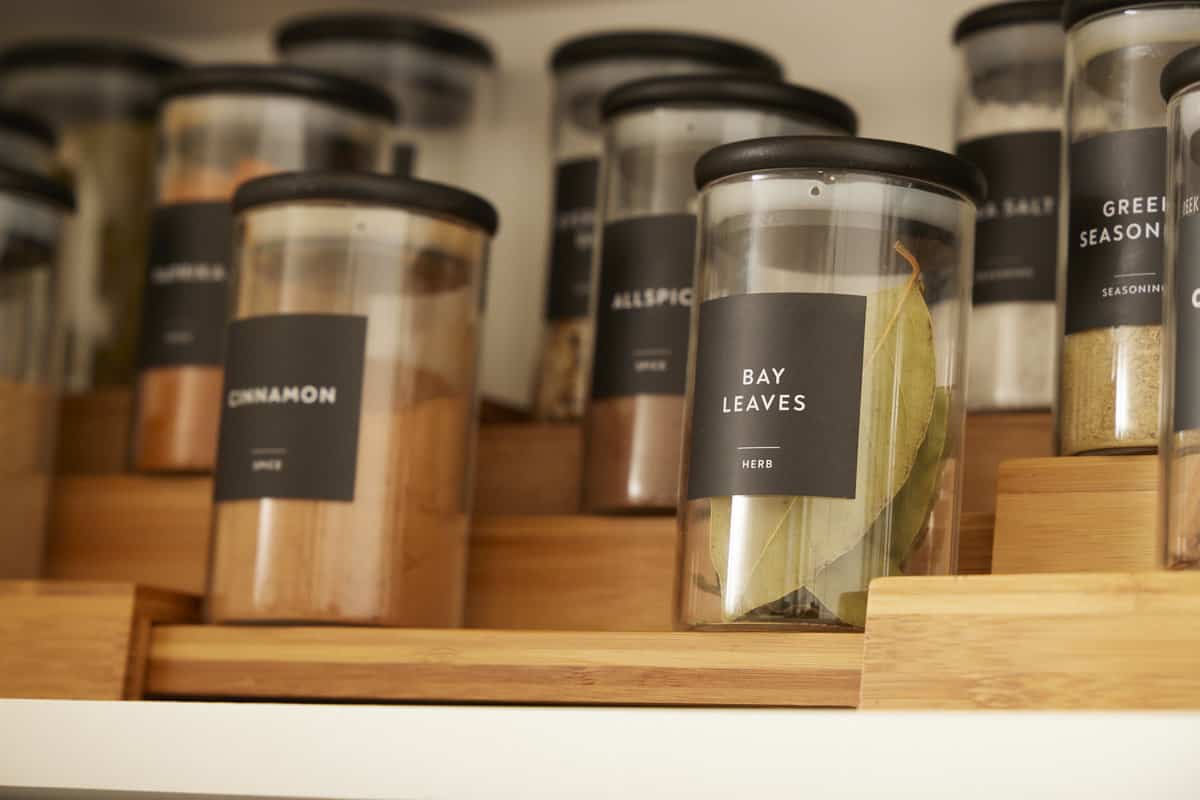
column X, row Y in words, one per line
column 440, row 76
column 344, row 478
column 825, row 410
column 221, row 126
column 586, row 69
column 655, row 130
column 26, row 143
column 100, row 97
column 32, row 210
column 1113, row 203
column 1009, row 123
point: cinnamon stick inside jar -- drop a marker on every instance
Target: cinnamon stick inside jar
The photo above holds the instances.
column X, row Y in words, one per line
column 223, row 126
column 343, row 477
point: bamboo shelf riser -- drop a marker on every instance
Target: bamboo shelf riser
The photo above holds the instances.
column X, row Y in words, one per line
column 1077, row 515
column 992, row 439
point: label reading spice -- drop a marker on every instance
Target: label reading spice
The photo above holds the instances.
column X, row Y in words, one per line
column 643, row 312
column 186, row 297
column 1016, row 236
column 404, row 157
column 291, row 405
column 1115, row 245
column 1187, row 298
column 573, row 238
column 778, row 395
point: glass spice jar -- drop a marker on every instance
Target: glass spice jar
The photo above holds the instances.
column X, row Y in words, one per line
column 825, row 404
column 344, row 479
column 222, row 125
column 1111, row 249
column 655, row 130
column 585, row 69
column 32, row 211
column 439, row 75
column 1009, row 123
column 1180, row 440
column 26, row 143
column 100, row 98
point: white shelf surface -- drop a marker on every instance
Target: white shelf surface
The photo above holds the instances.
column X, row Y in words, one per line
column 507, row 752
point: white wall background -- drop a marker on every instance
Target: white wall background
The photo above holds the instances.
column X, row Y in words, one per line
column 891, row 59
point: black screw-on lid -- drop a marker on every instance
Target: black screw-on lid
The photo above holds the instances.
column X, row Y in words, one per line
column 1180, row 72
column 368, row 189
column 36, row 187
column 664, row 44
column 729, row 90
column 901, row 160
column 1019, row 12
column 1078, row 10
column 27, row 124
column 324, row 87
column 97, row 53
column 384, row 28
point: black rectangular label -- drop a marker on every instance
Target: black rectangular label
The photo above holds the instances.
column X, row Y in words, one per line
column 1115, row 246
column 778, row 395
column 1187, row 306
column 643, row 311
column 570, row 282
column 1016, row 236
column 187, row 285
column 404, row 158
column 291, row 406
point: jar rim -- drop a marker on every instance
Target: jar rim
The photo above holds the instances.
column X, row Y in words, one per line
column 370, row 189
column 38, row 188
column 737, row 91
column 1180, row 72
column 1076, row 11
column 35, row 127
column 1016, row 12
column 395, row 28
column 631, row 44
column 97, row 53
column 908, row 161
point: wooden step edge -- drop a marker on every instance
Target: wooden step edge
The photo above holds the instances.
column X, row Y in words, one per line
column 1078, row 474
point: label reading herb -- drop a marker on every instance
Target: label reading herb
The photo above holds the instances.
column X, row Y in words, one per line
column 778, row 395
column 1016, row 236
column 1115, row 245
column 187, row 285
column 643, row 312
column 573, row 237
column 291, row 405
column 404, row 157
column 1187, row 297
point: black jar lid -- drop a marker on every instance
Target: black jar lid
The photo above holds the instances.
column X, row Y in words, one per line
column 94, row 53
column 729, row 90
column 36, row 187
column 28, row 125
column 384, row 28
column 348, row 93
column 906, row 161
column 664, row 44
column 369, row 189
column 1078, row 10
column 998, row 15
column 1180, row 72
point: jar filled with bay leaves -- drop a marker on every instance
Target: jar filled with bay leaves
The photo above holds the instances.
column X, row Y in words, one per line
column 343, row 481
column 825, row 409
column 642, row 287
column 585, row 69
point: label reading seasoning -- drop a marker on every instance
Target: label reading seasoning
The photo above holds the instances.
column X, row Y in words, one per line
column 643, row 312
column 290, row 407
column 778, row 395
column 1115, row 245
column 404, row 156
column 186, row 298
column 573, row 238
column 1016, row 237
column 1187, row 298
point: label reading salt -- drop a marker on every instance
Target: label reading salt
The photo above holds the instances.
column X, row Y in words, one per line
column 1115, row 234
column 777, row 396
column 643, row 309
column 290, row 407
column 573, row 238
column 187, row 285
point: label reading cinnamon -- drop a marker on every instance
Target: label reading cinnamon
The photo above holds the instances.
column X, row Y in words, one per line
column 569, row 290
column 291, row 407
column 187, row 285
column 777, row 396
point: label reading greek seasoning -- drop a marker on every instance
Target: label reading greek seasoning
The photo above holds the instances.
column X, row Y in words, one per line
column 1016, row 238
column 1115, row 246
column 1187, row 298
column 186, row 299
column 573, row 238
column 777, row 396
column 291, row 405
column 404, row 156
column 643, row 312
